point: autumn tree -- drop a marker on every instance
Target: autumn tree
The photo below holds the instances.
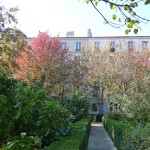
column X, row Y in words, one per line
column 124, row 13
column 46, row 60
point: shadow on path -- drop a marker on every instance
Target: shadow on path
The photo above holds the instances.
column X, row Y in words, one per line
column 99, row 139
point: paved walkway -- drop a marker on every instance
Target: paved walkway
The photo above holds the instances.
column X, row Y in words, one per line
column 99, row 139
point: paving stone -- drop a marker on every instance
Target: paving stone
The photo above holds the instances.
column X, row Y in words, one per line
column 99, row 139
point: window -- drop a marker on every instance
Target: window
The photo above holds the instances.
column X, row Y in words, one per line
column 78, row 46
column 111, row 106
column 95, row 93
column 94, row 106
column 130, row 45
column 144, row 45
column 116, row 106
column 97, row 45
column 112, row 46
column 95, row 89
column 63, row 45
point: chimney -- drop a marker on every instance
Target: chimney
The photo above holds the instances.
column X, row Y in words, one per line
column 70, row 34
column 89, row 33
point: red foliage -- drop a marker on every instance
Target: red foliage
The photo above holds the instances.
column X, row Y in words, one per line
column 31, row 62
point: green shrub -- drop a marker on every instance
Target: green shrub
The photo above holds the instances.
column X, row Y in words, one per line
column 27, row 109
column 78, row 138
column 23, row 142
column 115, row 115
column 77, row 105
column 53, row 122
column 126, row 136
column 116, row 130
column 137, row 138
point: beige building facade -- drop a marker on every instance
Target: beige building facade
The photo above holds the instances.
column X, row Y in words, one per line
column 76, row 44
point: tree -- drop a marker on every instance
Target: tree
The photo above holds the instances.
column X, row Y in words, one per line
column 12, row 39
column 97, row 63
column 128, row 83
column 128, row 15
column 79, row 71
column 7, row 16
column 122, row 76
column 12, row 42
column 45, row 61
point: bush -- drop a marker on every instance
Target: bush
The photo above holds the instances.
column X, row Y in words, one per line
column 53, row 122
column 77, row 105
column 137, row 138
column 126, row 136
column 116, row 130
column 27, row 109
column 116, row 115
column 23, row 142
column 78, row 138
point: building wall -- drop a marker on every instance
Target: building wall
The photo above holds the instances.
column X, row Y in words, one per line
column 121, row 42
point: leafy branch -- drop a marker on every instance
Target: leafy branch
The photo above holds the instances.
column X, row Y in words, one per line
column 127, row 9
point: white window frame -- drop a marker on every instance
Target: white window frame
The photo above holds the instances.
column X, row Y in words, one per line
column 130, row 44
column 63, row 45
column 78, row 46
column 144, row 44
column 112, row 44
column 97, row 45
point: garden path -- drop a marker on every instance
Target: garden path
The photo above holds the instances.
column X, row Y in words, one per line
column 99, row 139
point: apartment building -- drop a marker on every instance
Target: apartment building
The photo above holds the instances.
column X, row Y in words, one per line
column 111, row 43
column 114, row 43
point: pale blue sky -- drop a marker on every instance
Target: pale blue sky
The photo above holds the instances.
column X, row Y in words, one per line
column 60, row 16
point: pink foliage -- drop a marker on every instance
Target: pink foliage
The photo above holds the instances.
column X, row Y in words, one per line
column 43, row 49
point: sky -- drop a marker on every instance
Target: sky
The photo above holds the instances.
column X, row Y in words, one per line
column 59, row 16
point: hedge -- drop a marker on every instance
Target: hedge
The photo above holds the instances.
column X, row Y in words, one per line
column 78, row 138
column 116, row 130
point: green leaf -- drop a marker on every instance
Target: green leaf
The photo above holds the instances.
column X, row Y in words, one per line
column 47, row 132
column 112, row 6
column 133, row 5
column 120, row 19
column 130, row 25
column 127, row 31
column 18, row 114
column 147, row 2
column 38, row 123
column 128, row 20
column 135, row 31
column 96, row 3
column 18, row 104
column 114, row 17
column 126, row 7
